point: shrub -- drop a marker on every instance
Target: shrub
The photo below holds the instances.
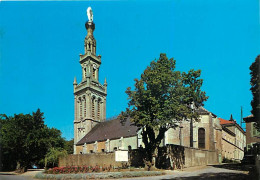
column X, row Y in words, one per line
column 79, row 169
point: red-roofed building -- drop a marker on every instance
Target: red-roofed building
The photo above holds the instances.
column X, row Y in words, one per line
column 223, row 121
column 233, row 139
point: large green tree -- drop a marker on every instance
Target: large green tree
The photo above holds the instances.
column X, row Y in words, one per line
column 25, row 140
column 69, row 146
column 255, row 89
column 162, row 97
column 53, row 155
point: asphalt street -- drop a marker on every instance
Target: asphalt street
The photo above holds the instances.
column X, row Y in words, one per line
column 215, row 172
column 203, row 173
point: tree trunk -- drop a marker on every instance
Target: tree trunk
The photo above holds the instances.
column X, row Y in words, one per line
column 150, row 159
column 20, row 168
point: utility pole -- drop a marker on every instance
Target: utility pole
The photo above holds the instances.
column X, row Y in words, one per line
column 241, row 117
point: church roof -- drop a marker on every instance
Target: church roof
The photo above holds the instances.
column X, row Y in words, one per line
column 201, row 110
column 112, row 129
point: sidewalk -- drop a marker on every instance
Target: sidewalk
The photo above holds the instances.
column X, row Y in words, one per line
column 189, row 169
column 8, row 173
column 31, row 173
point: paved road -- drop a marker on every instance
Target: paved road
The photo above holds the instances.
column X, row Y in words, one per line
column 14, row 177
column 223, row 172
column 208, row 172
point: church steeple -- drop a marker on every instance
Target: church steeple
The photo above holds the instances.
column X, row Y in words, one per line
column 90, row 42
column 89, row 94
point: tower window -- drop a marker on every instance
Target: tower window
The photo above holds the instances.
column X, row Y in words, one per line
column 80, row 109
column 93, row 108
column 85, row 108
column 98, row 110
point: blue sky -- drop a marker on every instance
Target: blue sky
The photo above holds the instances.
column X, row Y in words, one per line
column 40, row 43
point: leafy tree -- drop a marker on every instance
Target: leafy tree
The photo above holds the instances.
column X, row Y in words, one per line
column 69, row 146
column 25, row 140
column 51, row 138
column 255, row 89
column 53, row 155
column 13, row 139
column 161, row 98
column 8, row 161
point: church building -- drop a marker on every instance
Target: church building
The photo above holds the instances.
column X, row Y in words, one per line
column 92, row 134
column 89, row 94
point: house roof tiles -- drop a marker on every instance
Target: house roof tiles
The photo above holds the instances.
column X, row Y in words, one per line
column 223, row 121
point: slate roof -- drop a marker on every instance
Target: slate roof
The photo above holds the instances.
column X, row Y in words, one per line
column 112, row 129
column 202, row 111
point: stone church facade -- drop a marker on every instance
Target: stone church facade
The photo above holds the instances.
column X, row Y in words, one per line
column 89, row 94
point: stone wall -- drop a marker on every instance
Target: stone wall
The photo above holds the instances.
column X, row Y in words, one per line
column 178, row 157
column 169, row 157
column 198, row 157
column 93, row 159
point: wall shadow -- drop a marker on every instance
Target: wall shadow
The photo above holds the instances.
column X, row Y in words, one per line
column 215, row 176
column 231, row 166
column 170, row 157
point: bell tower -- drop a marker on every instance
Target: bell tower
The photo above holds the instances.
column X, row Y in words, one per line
column 89, row 94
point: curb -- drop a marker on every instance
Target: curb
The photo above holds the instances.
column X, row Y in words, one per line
column 107, row 175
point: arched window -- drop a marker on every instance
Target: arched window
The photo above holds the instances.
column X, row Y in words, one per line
column 98, row 109
column 201, row 138
column 80, row 108
column 85, row 107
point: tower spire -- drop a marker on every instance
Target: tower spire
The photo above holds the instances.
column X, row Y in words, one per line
column 89, row 94
column 105, row 82
column 90, row 42
column 75, row 81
